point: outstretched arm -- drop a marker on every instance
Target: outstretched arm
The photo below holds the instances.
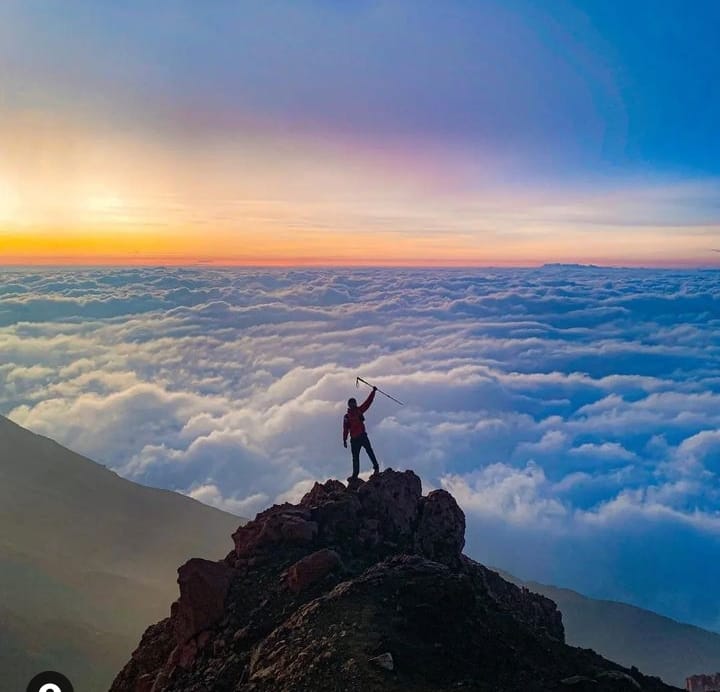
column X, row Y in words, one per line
column 366, row 404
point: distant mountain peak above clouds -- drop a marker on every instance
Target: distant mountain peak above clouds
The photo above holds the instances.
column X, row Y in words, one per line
column 572, row 265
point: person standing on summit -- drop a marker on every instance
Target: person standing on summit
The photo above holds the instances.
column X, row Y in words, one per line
column 354, row 425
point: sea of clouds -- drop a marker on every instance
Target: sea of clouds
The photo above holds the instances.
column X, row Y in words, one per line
column 573, row 412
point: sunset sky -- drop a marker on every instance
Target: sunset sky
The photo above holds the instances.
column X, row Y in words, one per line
column 503, row 133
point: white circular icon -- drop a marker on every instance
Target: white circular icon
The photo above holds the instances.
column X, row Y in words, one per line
column 49, row 681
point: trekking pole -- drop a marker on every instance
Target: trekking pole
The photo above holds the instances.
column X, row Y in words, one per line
column 358, row 380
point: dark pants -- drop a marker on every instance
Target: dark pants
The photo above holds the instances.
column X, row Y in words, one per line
column 356, row 444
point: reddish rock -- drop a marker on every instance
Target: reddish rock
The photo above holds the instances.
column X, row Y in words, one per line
column 298, row 531
column 203, row 588
column 703, row 683
column 185, row 654
column 320, row 492
column 440, row 533
column 311, row 569
column 279, row 524
column 338, row 518
column 393, row 498
column 141, row 672
column 289, row 624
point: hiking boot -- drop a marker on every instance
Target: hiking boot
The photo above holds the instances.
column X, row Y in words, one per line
column 376, row 470
column 354, row 483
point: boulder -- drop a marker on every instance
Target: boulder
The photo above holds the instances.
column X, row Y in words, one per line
column 440, row 533
column 279, row 524
column 320, row 492
column 312, row 569
column 393, row 498
column 338, row 519
column 203, row 588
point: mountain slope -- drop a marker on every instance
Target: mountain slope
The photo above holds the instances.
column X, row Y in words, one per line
column 85, row 558
column 633, row 636
column 362, row 588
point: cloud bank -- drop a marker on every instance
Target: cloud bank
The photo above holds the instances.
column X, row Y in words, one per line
column 574, row 412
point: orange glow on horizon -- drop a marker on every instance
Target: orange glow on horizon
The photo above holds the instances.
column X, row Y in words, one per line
column 187, row 247
column 88, row 258
column 76, row 196
column 109, row 261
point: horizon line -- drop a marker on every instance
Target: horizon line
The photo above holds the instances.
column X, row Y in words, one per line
column 185, row 262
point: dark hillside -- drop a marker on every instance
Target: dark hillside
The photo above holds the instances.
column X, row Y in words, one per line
column 86, row 558
column 633, row 636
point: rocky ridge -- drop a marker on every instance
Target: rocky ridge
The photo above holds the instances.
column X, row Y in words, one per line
column 361, row 588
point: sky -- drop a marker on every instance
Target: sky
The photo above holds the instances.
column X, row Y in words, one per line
column 573, row 412
column 358, row 133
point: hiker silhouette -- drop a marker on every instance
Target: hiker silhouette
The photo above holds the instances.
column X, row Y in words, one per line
column 354, row 425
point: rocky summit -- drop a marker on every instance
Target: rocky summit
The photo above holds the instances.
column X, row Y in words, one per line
column 361, row 588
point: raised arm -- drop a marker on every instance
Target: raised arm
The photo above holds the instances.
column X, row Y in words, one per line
column 366, row 404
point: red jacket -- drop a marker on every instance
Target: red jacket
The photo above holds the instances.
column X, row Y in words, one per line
column 354, row 421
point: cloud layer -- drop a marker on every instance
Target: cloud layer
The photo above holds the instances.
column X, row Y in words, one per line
column 574, row 413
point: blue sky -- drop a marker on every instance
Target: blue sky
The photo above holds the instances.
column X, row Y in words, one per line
column 500, row 132
column 574, row 413
column 593, row 82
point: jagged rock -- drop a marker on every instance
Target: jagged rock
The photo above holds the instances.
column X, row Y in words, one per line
column 156, row 645
column 279, row 524
column 703, row 683
column 320, row 493
column 440, row 533
column 315, row 594
column 392, row 605
column 312, row 569
column 337, row 514
column 203, row 588
column 537, row 612
column 393, row 499
column 184, row 655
